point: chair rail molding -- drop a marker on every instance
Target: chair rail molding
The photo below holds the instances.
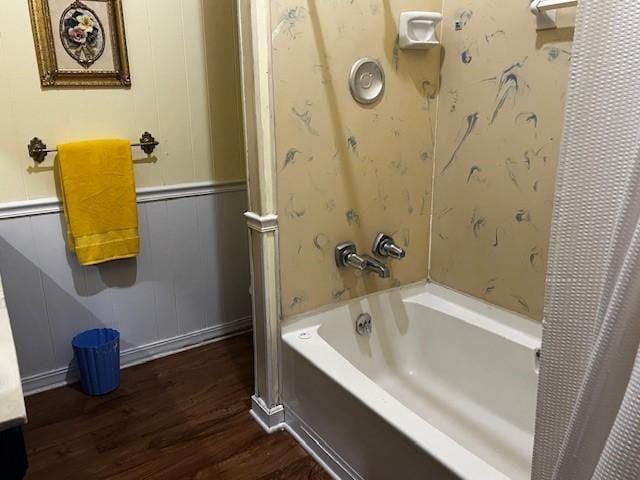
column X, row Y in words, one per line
column 43, row 206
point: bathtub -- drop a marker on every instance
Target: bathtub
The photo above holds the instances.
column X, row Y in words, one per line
column 443, row 387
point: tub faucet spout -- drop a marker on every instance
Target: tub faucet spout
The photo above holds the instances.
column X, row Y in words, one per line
column 376, row 266
column 347, row 257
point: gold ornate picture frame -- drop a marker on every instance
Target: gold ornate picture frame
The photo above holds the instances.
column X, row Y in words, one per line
column 80, row 43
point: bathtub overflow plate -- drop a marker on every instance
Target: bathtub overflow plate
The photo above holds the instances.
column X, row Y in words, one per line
column 363, row 324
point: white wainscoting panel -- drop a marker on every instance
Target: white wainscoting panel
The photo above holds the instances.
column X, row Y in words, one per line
column 190, row 283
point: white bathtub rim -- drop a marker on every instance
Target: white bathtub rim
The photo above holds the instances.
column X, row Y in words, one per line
column 309, row 318
column 501, row 322
column 443, row 448
column 514, row 325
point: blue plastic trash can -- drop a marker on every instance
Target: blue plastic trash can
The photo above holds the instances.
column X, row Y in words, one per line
column 97, row 355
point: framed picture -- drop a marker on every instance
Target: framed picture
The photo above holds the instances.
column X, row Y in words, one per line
column 80, row 43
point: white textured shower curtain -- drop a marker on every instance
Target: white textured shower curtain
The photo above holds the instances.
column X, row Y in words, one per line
column 588, row 418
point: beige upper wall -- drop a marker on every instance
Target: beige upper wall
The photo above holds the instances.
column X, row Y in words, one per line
column 500, row 123
column 346, row 171
column 186, row 91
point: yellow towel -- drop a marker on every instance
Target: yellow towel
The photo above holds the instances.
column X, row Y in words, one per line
column 99, row 197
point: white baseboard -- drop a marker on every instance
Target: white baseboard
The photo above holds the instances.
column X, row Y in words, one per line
column 313, row 449
column 315, row 446
column 277, row 418
column 142, row 354
column 270, row 420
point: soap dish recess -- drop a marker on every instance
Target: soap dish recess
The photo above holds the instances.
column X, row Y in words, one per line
column 417, row 30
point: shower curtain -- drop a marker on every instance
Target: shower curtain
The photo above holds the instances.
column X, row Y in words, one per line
column 588, row 417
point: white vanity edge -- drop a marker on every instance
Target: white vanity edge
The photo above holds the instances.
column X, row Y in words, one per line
column 12, row 408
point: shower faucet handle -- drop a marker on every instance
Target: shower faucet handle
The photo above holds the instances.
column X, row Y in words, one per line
column 384, row 246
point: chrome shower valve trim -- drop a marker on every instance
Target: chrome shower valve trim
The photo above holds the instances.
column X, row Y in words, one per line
column 346, row 256
column 384, row 246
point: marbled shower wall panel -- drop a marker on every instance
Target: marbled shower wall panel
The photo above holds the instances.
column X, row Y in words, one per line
column 499, row 128
column 347, row 171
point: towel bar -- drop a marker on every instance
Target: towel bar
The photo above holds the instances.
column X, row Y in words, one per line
column 38, row 150
column 546, row 11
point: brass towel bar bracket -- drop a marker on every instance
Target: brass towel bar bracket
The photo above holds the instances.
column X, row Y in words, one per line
column 38, row 149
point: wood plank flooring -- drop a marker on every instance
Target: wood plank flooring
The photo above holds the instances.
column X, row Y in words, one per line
column 185, row 416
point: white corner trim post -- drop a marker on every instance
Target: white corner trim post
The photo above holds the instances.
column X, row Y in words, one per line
column 263, row 238
column 262, row 224
column 254, row 22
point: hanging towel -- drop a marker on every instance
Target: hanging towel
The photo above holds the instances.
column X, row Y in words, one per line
column 99, row 198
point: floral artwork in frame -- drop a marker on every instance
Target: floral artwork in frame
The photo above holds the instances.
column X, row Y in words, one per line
column 80, row 43
column 82, row 35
